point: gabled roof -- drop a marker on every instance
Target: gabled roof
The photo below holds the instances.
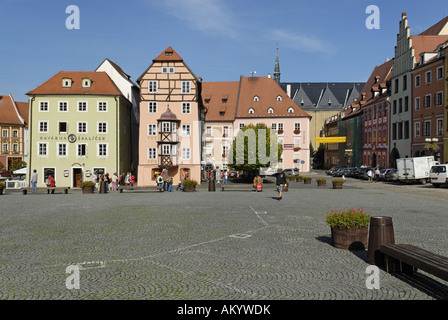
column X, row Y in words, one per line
column 12, row 112
column 438, row 29
column 268, row 91
column 220, row 99
column 102, row 84
column 118, row 69
column 424, row 43
column 168, row 55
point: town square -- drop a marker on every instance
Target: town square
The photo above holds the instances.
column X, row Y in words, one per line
column 188, row 150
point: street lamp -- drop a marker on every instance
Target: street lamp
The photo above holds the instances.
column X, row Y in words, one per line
column 431, row 145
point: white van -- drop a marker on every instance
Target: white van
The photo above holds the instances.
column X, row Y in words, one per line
column 439, row 175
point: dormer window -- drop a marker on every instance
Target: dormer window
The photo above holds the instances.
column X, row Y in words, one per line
column 291, row 110
column 251, row 111
column 271, row 110
column 168, row 53
column 86, row 83
column 167, row 69
column 66, row 83
column 256, row 99
column 279, row 98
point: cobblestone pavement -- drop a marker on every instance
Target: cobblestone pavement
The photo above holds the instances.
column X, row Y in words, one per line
column 233, row 245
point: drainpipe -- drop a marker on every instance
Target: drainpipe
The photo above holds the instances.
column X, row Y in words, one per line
column 30, row 145
column 117, row 132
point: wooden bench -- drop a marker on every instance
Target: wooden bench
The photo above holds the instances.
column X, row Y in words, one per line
column 150, row 188
column 52, row 189
column 407, row 258
column 237, row 186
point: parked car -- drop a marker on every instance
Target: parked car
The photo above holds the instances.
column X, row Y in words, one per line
column 439, row 175
column 362, row 173
column 392, row 175
column 292, row 172
column 349, row 172
column 383, row 173
column 330, row 171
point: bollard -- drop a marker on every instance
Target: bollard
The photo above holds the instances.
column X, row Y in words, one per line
column 211, row 185
column 381, row 232
column 102, row 187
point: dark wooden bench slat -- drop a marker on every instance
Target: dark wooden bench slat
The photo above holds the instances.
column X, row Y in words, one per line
column 418, row 258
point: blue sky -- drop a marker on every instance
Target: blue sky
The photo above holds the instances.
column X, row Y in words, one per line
column 220, row 40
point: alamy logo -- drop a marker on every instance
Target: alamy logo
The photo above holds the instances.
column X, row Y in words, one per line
column 72, row 281
column 73, row 20
column 373, row 21
column 373, row 280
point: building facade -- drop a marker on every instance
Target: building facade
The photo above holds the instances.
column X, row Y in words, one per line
column 79, row 125
column 171, row 120
column 13, row 131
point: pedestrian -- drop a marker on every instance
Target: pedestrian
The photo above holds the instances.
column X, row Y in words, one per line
column 377, row 174
column 369, row 175
column 258, row 183
column 132, row 179
column 114, row 182
column 107, row 181
column 93, row 178
column 183, row 176
column 159, row 181
column 127, row 179
column 33, row 180
column 170, row 184
column 281, row 181
column 225, row 176
column 165, row 179
column 50, row 183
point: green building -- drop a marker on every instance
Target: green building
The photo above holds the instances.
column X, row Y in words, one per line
column 79, row 123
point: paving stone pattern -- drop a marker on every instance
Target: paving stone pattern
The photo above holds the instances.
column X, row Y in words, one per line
column 233, row 245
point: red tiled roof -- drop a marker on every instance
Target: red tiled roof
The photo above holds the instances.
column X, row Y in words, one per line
column 8, row 112
column 213, row 94
column 423, row 43
column 435, row 29
column 267, row 90
column 101, row 84
column 168, row 55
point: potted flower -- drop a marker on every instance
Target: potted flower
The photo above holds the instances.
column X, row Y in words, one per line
column 189, row 185
column 299, row 179
column 349, row 228
column 306, row 180
column 290, row 177
column 296, row 148
column 321, row 182
column 2, row 186
column 296, row 131
column 337, row 183
column 87, row 186
column 280, row 131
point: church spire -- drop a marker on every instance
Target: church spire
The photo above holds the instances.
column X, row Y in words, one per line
column 277, row 69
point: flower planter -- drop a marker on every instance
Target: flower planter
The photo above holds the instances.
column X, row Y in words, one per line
column 307, row 181
column 189, row 188
column 280, row 131
column 350, row 238
column 87, row 190
column 337, row 185
column 296, row 131
column 1, row 191
column 321, row 183
column 296, row 149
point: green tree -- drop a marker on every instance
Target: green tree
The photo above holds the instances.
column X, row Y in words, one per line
column 17, row 165
column 252, row 148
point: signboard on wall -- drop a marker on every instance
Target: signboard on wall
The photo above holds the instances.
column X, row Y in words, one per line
column 330, row 139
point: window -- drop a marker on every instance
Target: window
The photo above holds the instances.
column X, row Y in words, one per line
column 152, row 153
column 82, row 150
column 43, row 106
column 256, row 99
column 43, row 126
column 394, row 107
column 241, row 125
column 279, row 98
column 186, row 107
column 427, row 101
column 166, row 127
column 280, row 126
column 225, row 131
column 152, row 107
column 167, row 69
column 417, row 104
column 66, row 83
column 396, row 85
column 428, row 77
column 102, row 127
column 439, row 98
column 186, row 130
column 62, row 127
column 225, row 151
column 417, row 81
column 5, row 133
column 427, row 128
column 394, row 131
column 400, row 130
column 63, row 106
column 405, row 82
column 417, row 130
column 82, row 127
column 152, row 86
column 271, row 110
column 5, row 148
column 274, row 126
column 400, row 105
column 406, row 104
column 166, row 149
column 186, row 86
column 62, row 149
column 82, row 106
column 439, row 73
column 439, row 127
column 15, row 133
column 186, row 153
column 297, row 126
column 251, row 111
column 15, row 148
column 406, row 130
column 291, row 110
column 86, row 83
column 152, row 129
column 42, row 148
column 102, row 149
column 208, row 131
column 102, row 106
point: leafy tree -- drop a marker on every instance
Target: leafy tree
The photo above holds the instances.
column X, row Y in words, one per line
column 252, row 148
column 17, row 165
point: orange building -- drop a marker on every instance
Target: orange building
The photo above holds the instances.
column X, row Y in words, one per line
column 13, row 131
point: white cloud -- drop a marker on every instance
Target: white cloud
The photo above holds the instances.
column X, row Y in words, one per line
column 300, row 42
column 209, row 16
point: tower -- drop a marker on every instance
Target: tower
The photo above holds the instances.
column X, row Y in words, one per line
column 277, row 69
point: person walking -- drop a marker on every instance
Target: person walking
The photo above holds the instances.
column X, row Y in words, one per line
column 183, row 176
column 33, row 180
column 170, row 184
column 225, row 176
column 281, row 181
column 369, row 175
column 377, row 174
column 258, row 183
column 114, row 182
column 165, row 177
